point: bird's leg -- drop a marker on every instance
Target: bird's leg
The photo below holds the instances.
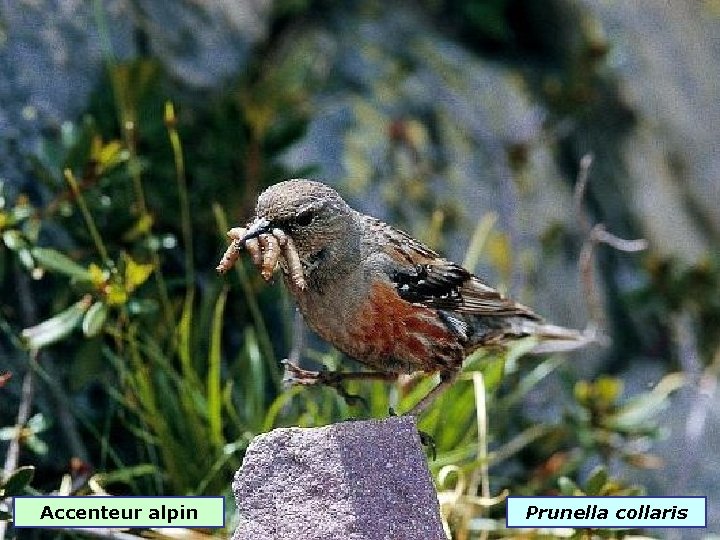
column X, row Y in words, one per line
column 328, row 377
column 447, row 378
column 294, row 374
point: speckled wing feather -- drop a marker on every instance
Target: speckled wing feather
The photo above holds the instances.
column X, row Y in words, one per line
column 427, row 278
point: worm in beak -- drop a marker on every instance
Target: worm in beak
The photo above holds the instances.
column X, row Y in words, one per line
column 265, row 247
column 270, row 254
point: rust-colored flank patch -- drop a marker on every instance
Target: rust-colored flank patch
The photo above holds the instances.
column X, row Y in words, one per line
column 392, row 328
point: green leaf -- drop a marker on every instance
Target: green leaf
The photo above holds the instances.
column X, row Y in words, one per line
column 184, row 346
column 109, row 155
column 517, row 350
column 639, row 410
column 57, row 327
column 214, row 395
column 126, row 474
column 26, row 258
column 37, row 445
column 478, row 240
column 115, row 294
column 568, row 487
column 13, row 240
column 598, row 479
column 38, row 423
column 608, row 390
column 140, row 306
column 17, row 481
column 136, row 274
column 582, row 392
column 94, row 319
column 141, row 227
column 632, row 491
column 529, row 381
column 493, row 373
column 57, row 262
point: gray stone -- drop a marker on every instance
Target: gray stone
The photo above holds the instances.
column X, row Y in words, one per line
column 359, row 480
column 664, row 60
column 52, row 55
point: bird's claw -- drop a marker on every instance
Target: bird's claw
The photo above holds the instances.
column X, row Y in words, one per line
column 294, row 374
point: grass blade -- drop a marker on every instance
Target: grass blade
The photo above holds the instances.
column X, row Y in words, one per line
column 214, row 392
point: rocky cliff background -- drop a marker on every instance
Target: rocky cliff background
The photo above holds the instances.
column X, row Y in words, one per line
column 433, row 116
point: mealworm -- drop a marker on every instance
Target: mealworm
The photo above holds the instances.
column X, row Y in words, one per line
column 232, row 253
column 271, row 253
column 295, row 269
column 281, row 236
column 253, row 248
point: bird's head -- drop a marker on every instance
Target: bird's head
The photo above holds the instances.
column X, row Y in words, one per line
column 314, row 215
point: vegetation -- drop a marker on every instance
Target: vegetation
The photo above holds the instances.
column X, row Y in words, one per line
column 145, row 373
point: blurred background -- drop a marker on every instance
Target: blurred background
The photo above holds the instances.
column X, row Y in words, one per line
column 133, row 133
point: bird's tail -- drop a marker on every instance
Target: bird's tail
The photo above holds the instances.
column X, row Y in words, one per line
column 553, row 338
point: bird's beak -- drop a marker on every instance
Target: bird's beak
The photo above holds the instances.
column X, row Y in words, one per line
column 255, row 229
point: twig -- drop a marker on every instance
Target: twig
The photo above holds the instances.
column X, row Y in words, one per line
column 587, row 276
column 595, row 234
column 13, row 453
column 28, row 313
column 601, row 235
column 89, row 222
column 579, row 193
column 29, row 317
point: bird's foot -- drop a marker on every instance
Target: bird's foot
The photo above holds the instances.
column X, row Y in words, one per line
column 294, row 374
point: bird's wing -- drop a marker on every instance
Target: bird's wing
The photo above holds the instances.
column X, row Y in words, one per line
column 424, row 277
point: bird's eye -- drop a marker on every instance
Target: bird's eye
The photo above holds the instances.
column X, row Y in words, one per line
column 305, row 218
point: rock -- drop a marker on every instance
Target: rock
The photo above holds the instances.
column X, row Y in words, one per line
column 52, row 57
column 359, row 480
column 668, row 76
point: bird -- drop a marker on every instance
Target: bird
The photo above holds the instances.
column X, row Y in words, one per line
column 379, row 295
